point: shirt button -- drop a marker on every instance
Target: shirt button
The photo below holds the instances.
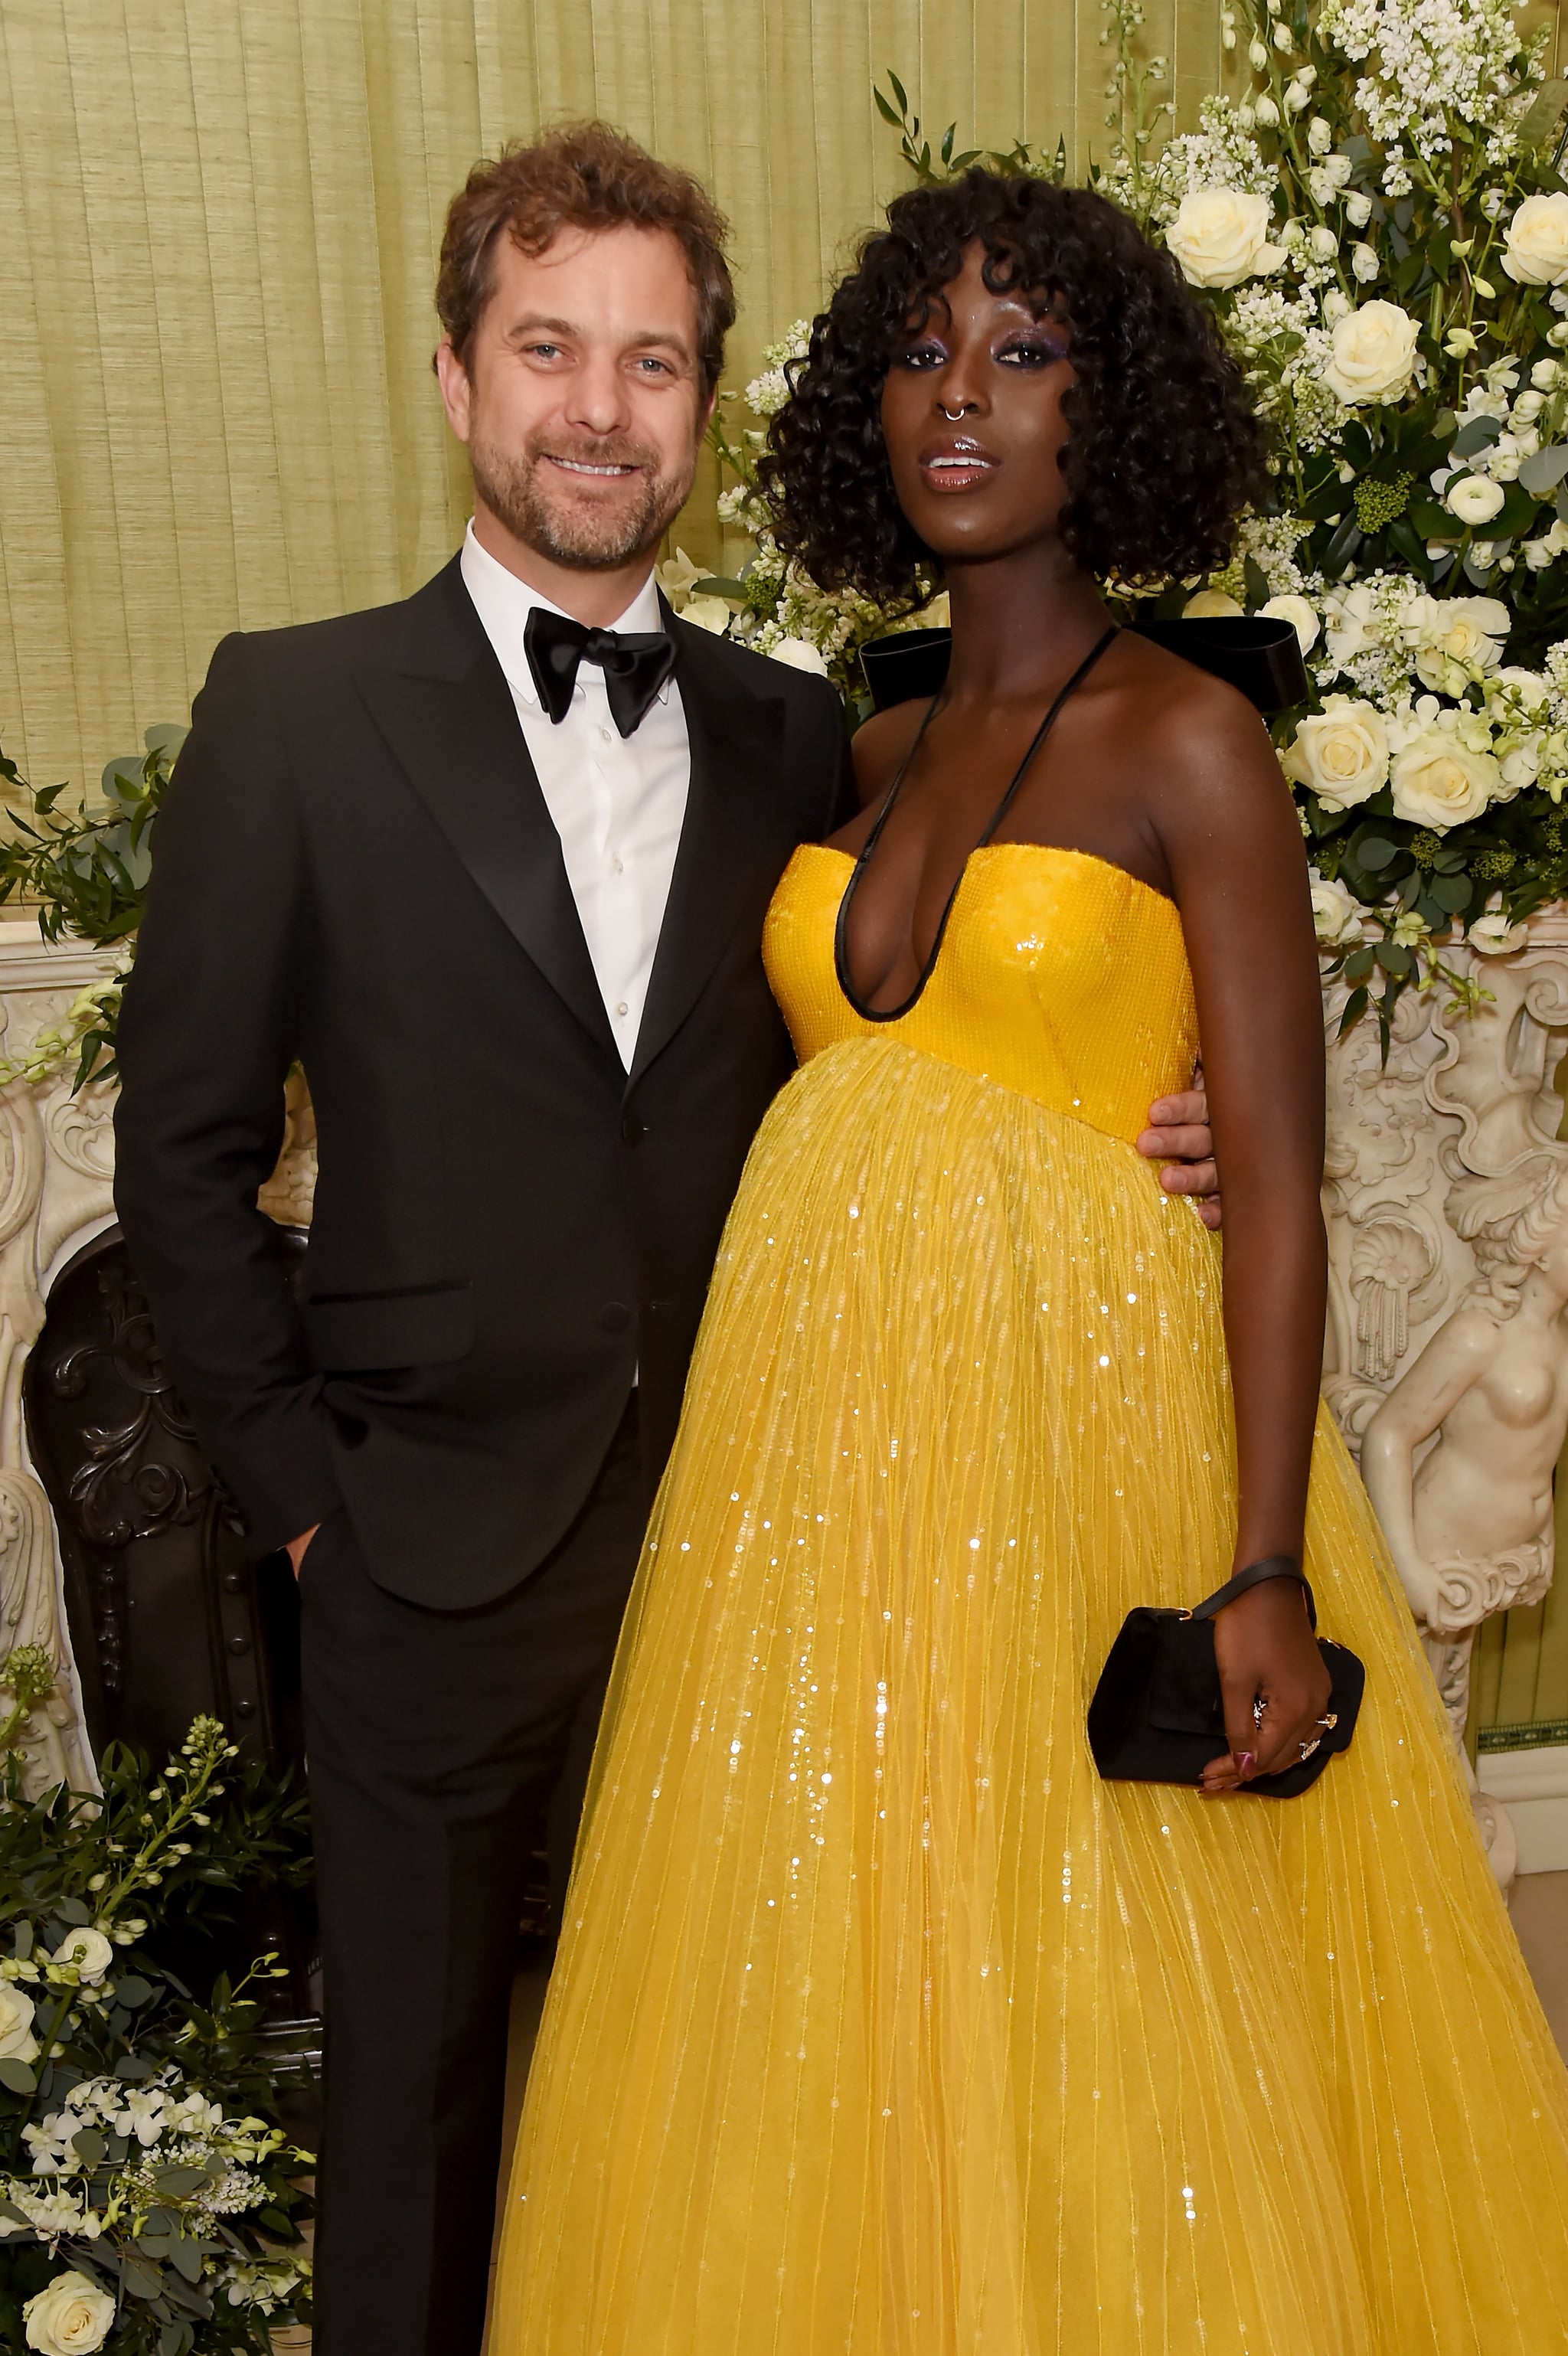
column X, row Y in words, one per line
column 622, row 1008
column 605, row 733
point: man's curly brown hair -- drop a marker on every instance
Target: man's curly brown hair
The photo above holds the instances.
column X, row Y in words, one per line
column 1164, row 449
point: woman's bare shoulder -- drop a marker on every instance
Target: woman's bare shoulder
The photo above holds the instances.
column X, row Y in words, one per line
column 881, row 742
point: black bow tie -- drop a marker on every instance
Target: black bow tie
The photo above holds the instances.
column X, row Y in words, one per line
column 635, row 664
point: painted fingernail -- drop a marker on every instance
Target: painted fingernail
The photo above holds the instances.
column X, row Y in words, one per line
column 1245, row 1762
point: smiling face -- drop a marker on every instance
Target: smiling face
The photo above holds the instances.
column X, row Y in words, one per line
column 580, row 406
column 972, row 419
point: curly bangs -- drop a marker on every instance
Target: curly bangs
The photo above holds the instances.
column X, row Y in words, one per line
column 1163, row 450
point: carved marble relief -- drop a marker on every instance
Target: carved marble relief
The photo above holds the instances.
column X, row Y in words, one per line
column 1447, row 1356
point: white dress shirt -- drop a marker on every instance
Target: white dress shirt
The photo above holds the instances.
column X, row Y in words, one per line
column 618, row 803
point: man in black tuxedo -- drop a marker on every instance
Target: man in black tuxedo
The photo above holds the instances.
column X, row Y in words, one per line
column 492, row 865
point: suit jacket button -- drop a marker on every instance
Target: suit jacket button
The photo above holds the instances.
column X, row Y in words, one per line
column 633, row 1131
column 615, row 1317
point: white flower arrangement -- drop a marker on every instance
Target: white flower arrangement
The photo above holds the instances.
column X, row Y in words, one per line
column 1382, row 228
column 146, row 2205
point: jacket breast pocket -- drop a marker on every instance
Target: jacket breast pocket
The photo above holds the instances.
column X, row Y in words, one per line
column 367, row 1332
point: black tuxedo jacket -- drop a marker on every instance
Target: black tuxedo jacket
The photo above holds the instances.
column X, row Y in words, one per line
column 355, row 868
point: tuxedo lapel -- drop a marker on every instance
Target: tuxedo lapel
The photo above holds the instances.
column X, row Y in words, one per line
column 447, row 712
column 728, row 852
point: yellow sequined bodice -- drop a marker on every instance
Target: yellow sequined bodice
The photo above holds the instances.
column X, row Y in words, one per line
column 1058, row 976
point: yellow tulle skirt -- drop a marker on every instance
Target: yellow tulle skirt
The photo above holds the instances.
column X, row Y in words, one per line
column 881, row 2027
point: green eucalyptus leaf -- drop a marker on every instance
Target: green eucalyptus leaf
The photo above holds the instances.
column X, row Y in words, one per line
column 141, row 2277
column 186, row 2256
column 133, row 1990
column 1546, row 114
column 1452, row 894
column 71, row 1910
column 1393, row 957
column 91, row 2146
column 1358, row 964
column 15, row 2076
column 1544, row 469
column 1476, row 433
column 1373, row 852
column 179, row 2183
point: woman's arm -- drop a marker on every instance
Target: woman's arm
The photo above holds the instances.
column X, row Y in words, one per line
column 1233, row 843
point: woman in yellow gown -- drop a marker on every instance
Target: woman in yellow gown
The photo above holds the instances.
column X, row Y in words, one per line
column 880, row 2025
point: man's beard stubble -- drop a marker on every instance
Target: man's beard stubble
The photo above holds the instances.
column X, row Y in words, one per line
column 584, row 538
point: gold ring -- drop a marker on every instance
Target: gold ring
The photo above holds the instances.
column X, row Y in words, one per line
column 1328, row 1723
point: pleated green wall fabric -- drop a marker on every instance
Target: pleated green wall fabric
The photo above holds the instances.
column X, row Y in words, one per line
column 218, row 227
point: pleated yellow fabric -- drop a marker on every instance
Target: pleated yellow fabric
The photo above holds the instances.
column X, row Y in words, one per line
column 880, row 2025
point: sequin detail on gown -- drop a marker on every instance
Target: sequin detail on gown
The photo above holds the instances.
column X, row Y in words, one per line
column 881, row 2027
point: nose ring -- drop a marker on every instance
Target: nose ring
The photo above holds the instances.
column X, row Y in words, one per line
column 953, row 415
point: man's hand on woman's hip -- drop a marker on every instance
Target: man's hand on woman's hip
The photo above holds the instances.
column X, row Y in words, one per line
column 1178, row 1135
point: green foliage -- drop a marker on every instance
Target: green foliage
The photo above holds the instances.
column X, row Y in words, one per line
column 140, row 2146
column 85, row 872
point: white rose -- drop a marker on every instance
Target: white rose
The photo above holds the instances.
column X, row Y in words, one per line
column 1439, row 780
column 1211, row 605
column 1454, row 638
column 800, row 655
column 1374, row 354
column 1341, row 753
column 70, row 2317
column 1219, row 236
column 89, row 1951
column 18, row 2043
column 707, row 613
column 1492, row 933
column 1513, row 684
column 1473, row 499
column 1336, row 917
column 1364, row 263
column 1358, row 208
column 1299, row 614
column 1536, row 242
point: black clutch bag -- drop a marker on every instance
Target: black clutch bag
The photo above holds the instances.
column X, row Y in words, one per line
column 1158, row 1716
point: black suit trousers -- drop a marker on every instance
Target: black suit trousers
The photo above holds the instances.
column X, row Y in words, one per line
column 435, row 1740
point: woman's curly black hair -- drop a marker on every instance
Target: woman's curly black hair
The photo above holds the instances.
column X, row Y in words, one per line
column 1164, row 449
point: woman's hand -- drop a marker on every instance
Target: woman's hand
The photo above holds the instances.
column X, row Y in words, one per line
column 1265, row 1651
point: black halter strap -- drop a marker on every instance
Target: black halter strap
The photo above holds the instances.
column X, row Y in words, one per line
column 840, row 939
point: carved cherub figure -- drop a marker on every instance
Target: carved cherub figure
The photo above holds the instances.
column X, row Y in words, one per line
column 1470, row 1526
